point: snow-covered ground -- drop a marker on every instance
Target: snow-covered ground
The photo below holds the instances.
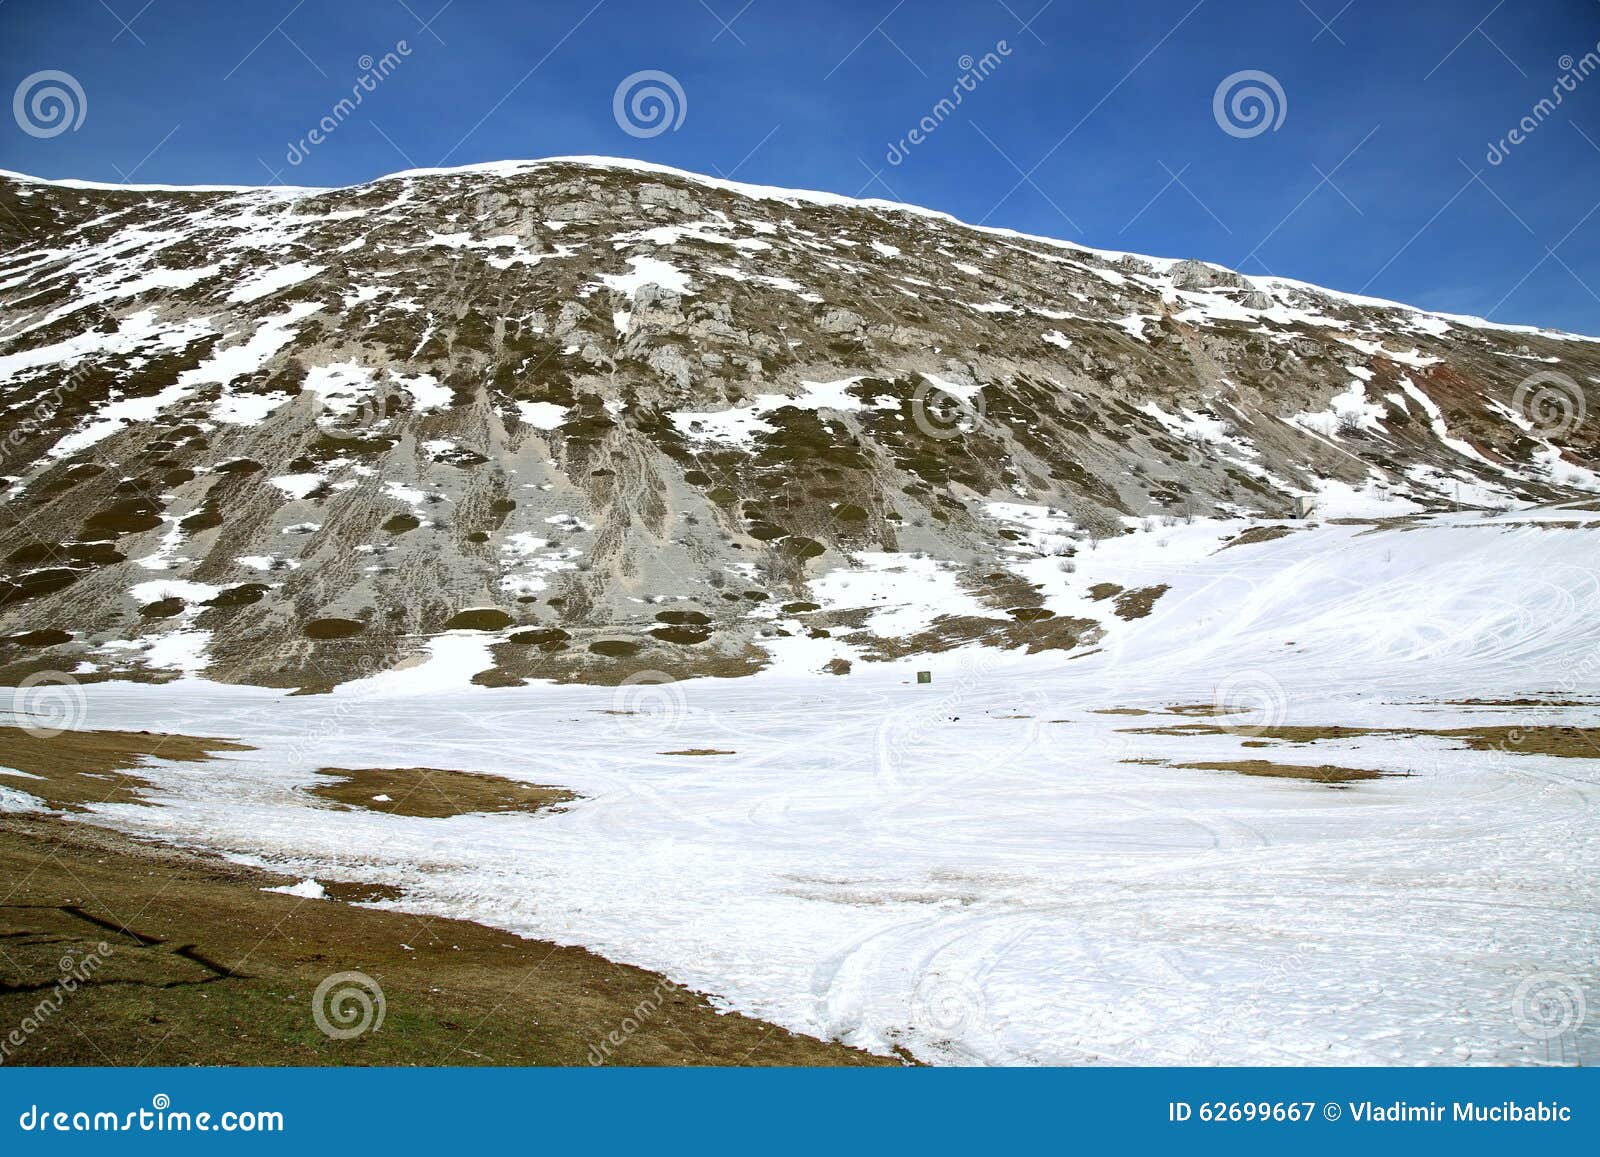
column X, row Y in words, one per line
column 973, row 869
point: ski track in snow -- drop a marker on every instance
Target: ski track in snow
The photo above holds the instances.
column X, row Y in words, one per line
column 971, row 869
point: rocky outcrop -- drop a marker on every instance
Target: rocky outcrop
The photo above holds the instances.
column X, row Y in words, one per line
column 621, row 422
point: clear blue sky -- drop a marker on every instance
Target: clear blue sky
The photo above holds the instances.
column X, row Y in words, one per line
column 1097, row 124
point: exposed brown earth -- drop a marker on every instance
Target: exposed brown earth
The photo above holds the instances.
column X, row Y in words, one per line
column 1529, row 739
column 1522, row 702
column 77, row 768
column 431, row 793
column 1139, row 603
column 1258, row 534
column 193, row 963
column 1321, row 773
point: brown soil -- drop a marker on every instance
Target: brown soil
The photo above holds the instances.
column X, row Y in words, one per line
column 333, row 628
column 200, row 966
column 681, row 636
column 432, row 793
column 698, row 751
column 950, row 631
column 1322, row 773
column 549, row 657
column 1284, row 733
column 1258, row 534
column 479, row 619
column 78, row 768
column 1514, row 703
column 1568, row 742
column 1137, row 604
column 205, row 968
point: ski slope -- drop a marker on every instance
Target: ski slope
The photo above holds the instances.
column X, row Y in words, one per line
column 974, row 871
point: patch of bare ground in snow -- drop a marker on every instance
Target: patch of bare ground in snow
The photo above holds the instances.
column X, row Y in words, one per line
column 1257, row 534
column 1321, row 773
column 1522, row 702
column 947, row 632
column 432, row 793
column 201, row 966
column 78, row 768
column 1527, row 739
column 1137, row 604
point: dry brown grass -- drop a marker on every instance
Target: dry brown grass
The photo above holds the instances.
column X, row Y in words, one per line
column 1137, row 604
column 945, row 633
column 79, row 768
column 1321, row 773
column 432, row 793
column 1531, row 739
column 1258, row 534
column 1567, row 742
column 1283, row 733
column 1524, row 702
column 204, row 967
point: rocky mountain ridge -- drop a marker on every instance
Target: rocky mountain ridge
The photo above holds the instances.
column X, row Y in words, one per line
column 614, row 421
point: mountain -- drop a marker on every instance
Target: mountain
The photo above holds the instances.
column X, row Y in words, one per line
column 594, row 420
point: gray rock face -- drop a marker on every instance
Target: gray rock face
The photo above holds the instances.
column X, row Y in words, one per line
column 1198, row 275
column 288, row 437
column 842, row 321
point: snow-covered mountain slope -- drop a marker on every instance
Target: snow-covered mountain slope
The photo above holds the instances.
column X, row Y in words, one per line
column 1030, row 861
column 591, row 420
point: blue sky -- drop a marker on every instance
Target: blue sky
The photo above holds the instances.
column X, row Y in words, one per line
column 1097, row 122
